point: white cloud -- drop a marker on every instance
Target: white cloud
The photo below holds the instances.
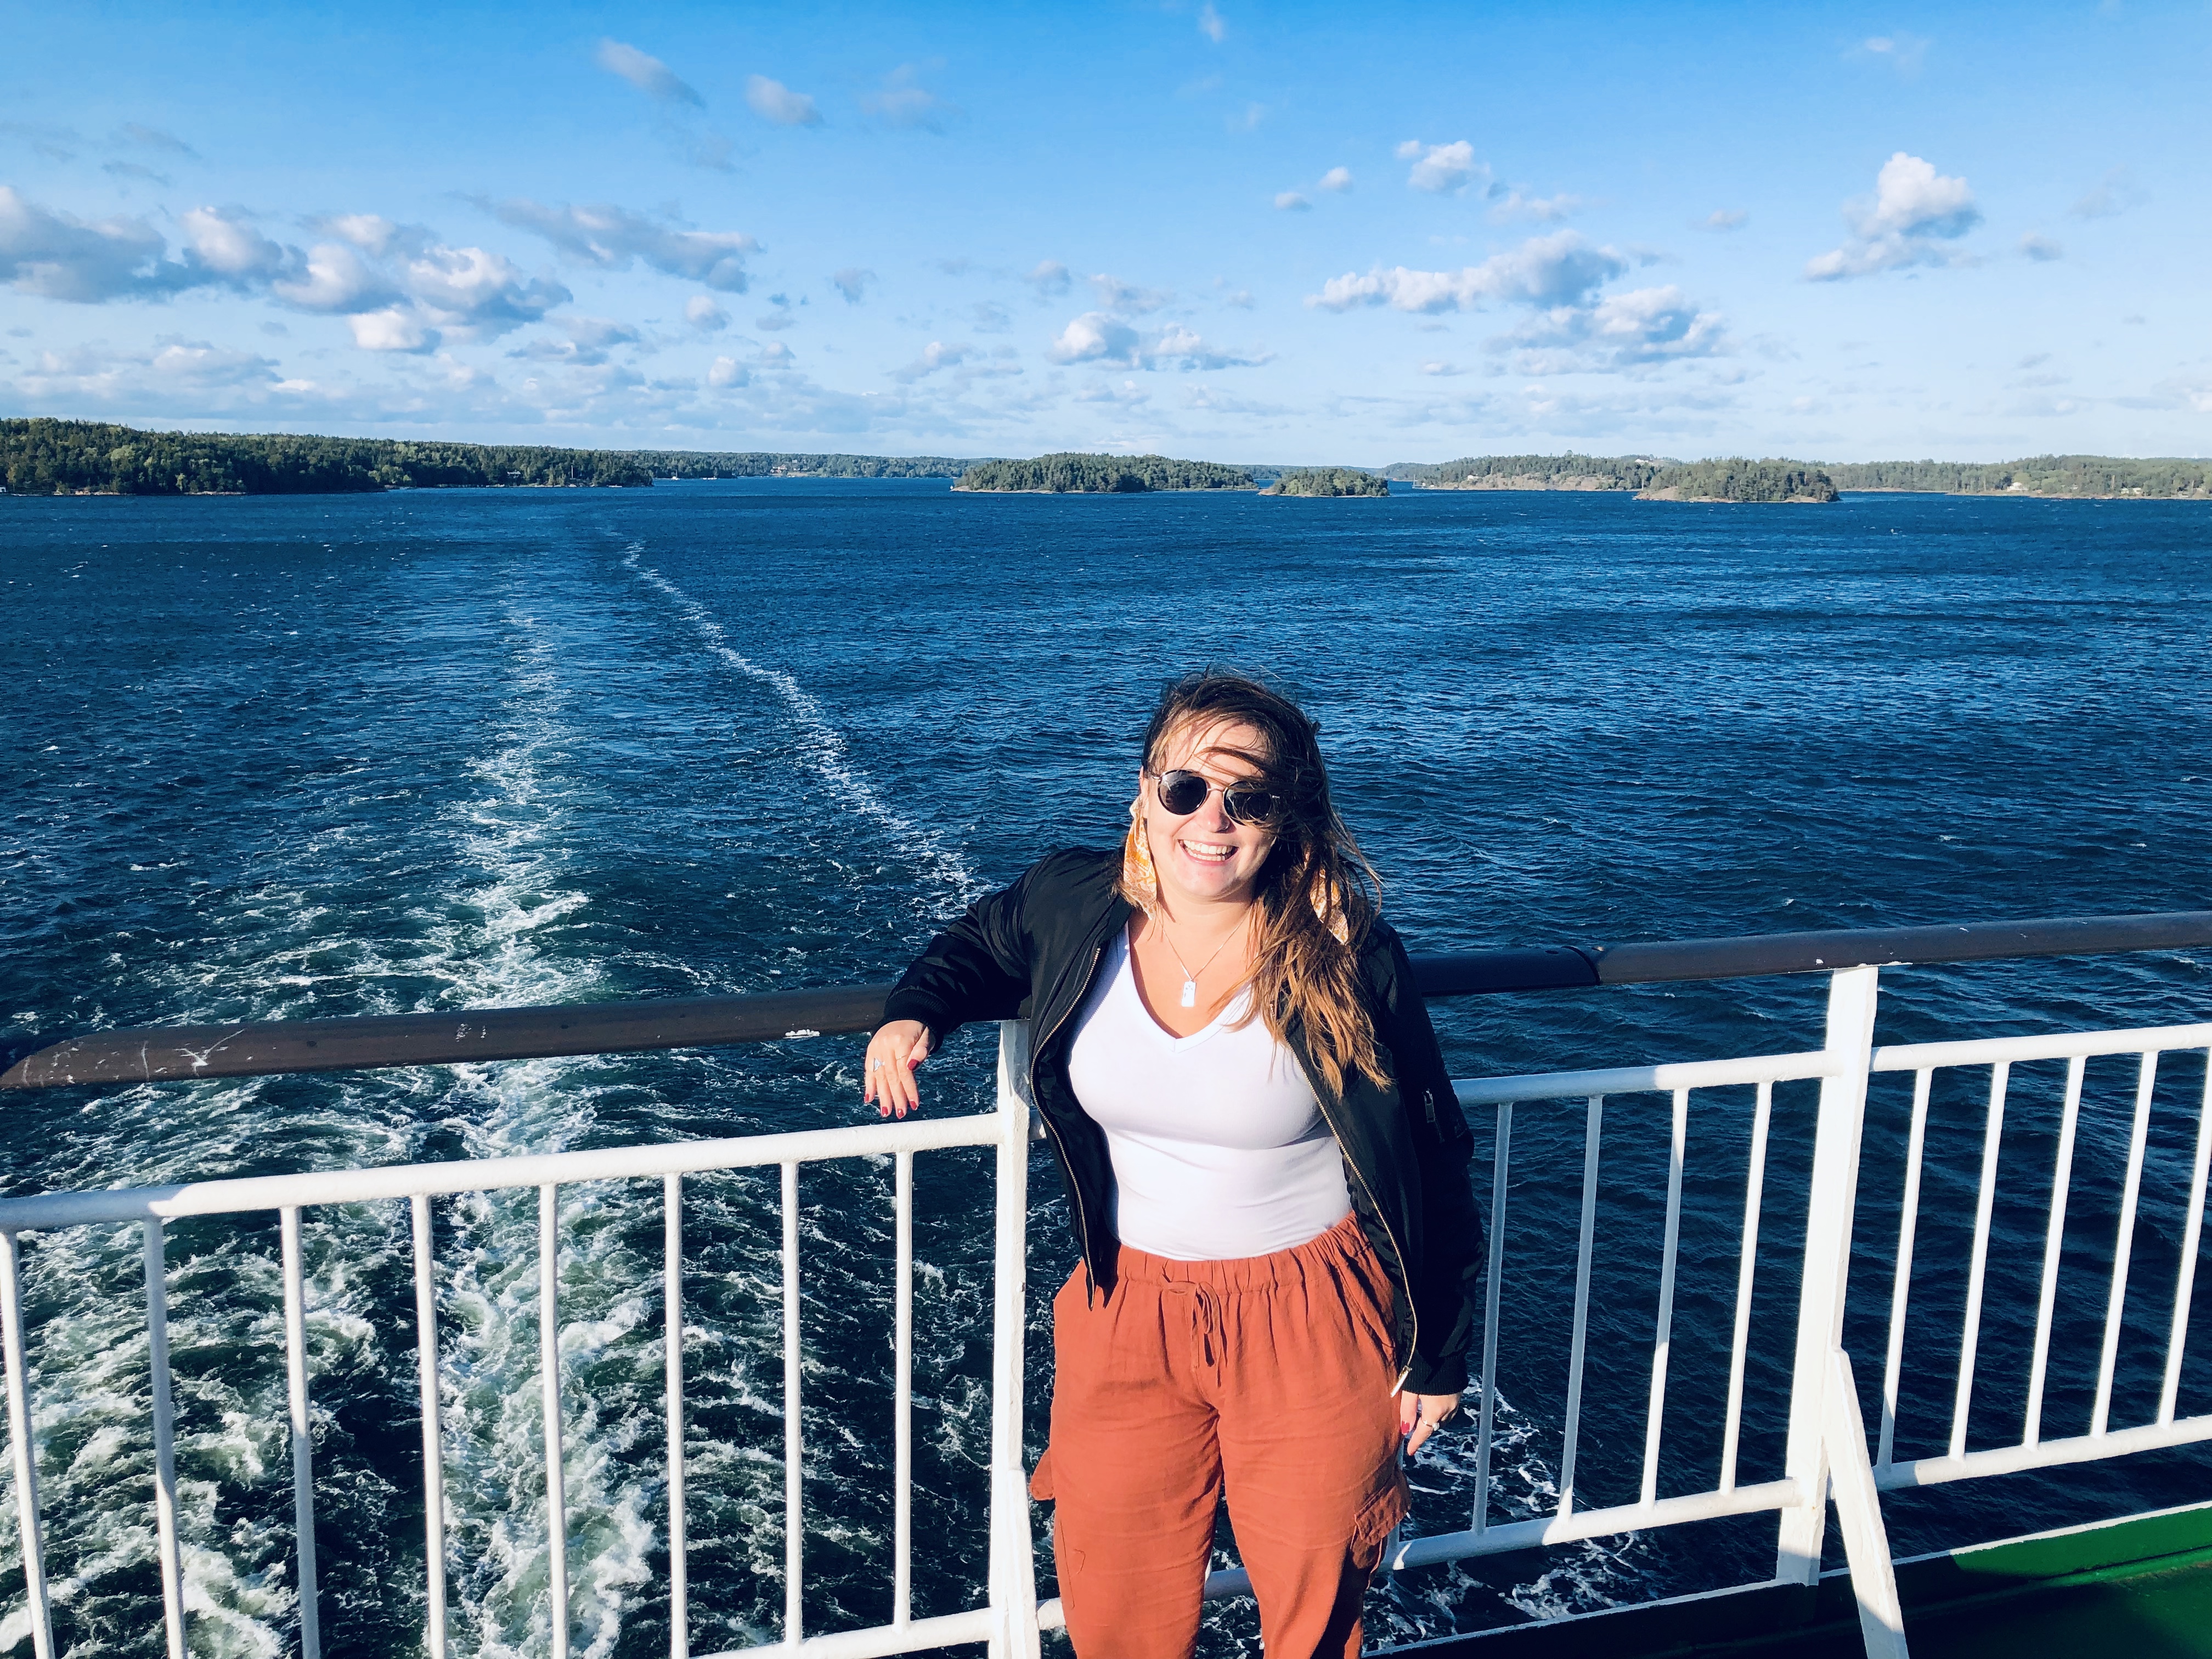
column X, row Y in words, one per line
column 224, row 243
column 1905, row 53
column 1442, row 168
column 852, row 282
column 2039, row 248
column 334, row 278
column 703, row 314
column 1914, row 213
column 200, row 367
column 155, row 138
column 396, row 328
column 1722, row 219
column 647, row 73
column 1185, row 350
column 371, row 233
column 2113, row 193
column 772, row 101
column 903, row 101
column 475, row 290
column 1241, row 298
column 1114, row 294
column 775, row 352
column 781, row 318
column 1545, row 209
column 611, row 237
column 1291, row 202
column 589, row 340
column 1561, row 269
column 935, row 355
column 1556, row 277
column 59, row 256
column 1096, row 336
column 1338, row 179
column 1624, row 331
column 727, row 372
column 1107, row 392
column 1210, row 23
column 1049, row 277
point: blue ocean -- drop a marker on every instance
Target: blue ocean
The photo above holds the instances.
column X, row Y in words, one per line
column 281, row 757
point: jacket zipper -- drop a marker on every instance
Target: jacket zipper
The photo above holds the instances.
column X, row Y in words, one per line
column 1036, row 1047
column 1405, row 1269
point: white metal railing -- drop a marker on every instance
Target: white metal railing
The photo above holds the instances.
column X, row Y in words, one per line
column 1009, row 1620
column 1826, row 1443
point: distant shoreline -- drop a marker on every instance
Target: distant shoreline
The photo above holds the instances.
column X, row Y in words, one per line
column 48, row 457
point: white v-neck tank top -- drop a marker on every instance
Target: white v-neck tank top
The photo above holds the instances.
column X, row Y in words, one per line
column 1218, row 1145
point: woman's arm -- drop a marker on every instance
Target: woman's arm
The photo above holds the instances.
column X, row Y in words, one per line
column 1449, row 1275
column 976, row 969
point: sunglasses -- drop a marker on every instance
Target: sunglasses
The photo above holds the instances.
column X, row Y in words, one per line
column 1184, row 793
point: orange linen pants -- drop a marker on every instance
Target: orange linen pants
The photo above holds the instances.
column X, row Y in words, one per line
column 1271, row 1372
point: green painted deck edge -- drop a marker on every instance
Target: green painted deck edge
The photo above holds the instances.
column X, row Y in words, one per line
column 1750, row 1617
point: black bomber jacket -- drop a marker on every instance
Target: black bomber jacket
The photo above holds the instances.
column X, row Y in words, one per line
column 1031, row 951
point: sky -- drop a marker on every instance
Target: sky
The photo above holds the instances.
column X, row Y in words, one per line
column 1225, row 230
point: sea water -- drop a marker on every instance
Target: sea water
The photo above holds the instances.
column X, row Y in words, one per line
column 273, row 758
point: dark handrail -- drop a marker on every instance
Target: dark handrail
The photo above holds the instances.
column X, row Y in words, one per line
column 270, row 1047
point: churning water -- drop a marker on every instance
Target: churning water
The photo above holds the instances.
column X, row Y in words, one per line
column 270, row 758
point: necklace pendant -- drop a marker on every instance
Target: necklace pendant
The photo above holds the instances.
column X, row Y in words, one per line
column 1190, row 993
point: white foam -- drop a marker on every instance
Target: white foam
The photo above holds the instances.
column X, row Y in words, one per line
column 823, row 745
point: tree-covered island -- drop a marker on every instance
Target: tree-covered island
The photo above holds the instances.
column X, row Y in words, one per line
column 1739, row 480
column 1327, row 481
column 1567, row 472
column 78, row 458
column 1101, row 475
column 2057, row 476
column 42, row 457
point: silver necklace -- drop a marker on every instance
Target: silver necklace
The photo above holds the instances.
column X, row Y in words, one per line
column 1190, row 979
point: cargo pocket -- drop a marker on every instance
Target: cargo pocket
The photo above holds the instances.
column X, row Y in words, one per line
column 1041, row 1486
column 1376, row 1517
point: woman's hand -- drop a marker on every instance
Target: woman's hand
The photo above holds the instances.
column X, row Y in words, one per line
column 1418, row 1414
column 887, row 1084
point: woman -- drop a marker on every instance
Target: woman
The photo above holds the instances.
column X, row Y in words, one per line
column 1265, row 1168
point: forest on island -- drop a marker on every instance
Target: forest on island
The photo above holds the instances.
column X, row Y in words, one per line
column 1103, row 475
column 2057, row 476
column 41, row 457
column 2038, row 475
column 1567, row 472
column 690, row 463
column 1327, row 481
column 62, row 458
column 1739, row 480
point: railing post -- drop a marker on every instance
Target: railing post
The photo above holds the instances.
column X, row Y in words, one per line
column 1850, row 1046
column 1013, row 1567
column 1858, row 1515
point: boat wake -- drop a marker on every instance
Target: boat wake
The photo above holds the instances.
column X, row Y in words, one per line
column 824, row 748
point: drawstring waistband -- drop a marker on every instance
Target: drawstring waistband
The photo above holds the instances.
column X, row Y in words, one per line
column 1207, row 1338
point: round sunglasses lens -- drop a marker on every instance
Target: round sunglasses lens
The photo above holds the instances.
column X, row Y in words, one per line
column 1249, row 805
column 1182, row 791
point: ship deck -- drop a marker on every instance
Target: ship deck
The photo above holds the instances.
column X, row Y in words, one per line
column 2140, row 1588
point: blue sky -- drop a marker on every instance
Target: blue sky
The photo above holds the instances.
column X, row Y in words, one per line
column 1229, row 230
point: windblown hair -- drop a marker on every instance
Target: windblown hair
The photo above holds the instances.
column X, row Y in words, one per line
column 1317, row 892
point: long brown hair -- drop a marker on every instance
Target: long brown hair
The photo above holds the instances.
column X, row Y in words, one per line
column 1317, row 893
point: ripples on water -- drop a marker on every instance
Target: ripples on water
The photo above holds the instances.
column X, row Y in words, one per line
column 273, row 758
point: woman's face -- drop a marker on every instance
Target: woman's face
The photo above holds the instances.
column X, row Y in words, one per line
column 1206, row 855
